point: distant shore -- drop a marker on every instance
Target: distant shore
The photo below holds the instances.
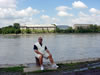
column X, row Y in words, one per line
column 15, row 29
column 49, row 33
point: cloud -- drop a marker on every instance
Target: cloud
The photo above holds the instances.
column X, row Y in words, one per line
column 83, row 14
column 45, row 17
column 49, row 20
column 62, row 11
column 28, row 12
column 7, row 3
column 25, row 20
column 79, row 4
column 62, row 8
column 14, row 14
column 8, row 10
column 94, row 11
column 55, row 19
column 86, row 19
column 11, row 15
column 43, row 11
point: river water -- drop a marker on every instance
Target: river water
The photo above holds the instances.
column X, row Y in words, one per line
column 18, row 49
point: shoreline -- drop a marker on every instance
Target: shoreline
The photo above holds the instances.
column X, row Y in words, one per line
column 57, row 62
column 49, row 33
column 90, row 66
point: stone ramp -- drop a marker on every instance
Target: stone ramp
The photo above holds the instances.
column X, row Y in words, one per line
column 32, row 67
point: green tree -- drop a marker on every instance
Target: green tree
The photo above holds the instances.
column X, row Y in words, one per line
column 58, row 30
column 70, row 30
column 28, row 31
column 17, row 28
column 98, row 28
column 8, row 30
column 17, row 31
column 23, row 31
column 16, row 25
column 93, row 28
column 0, row 31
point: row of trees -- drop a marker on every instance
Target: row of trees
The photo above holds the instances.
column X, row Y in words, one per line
column 30, row 31
column 15, row 29
column 89, row 29
column 12, row 29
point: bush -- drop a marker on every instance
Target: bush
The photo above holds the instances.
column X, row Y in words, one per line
column 28, row 31
column 17, row 31
column 90, row 29
column 69, row 30
column 10, row 30
column 23, row 31
column 0, row 31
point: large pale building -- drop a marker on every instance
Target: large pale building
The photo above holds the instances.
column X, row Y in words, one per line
column 39, row 27
column 75, row 26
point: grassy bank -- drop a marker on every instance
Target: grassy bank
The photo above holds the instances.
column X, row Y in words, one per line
column 12, row 69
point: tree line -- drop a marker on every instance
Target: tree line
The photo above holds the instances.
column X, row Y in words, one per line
column 11, row 29
column 15, row 29
column 80, row 29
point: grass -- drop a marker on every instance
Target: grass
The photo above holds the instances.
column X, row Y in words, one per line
column 12, row 69
column 72, row 66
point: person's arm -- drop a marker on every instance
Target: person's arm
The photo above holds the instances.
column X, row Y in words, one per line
column 36, row 50
column 47, row 50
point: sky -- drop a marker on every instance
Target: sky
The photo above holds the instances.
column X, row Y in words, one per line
column 60, row 12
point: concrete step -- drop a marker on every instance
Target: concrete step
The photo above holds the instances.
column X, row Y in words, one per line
column 33, row 67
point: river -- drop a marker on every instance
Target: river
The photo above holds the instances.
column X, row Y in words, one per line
column 18, row 49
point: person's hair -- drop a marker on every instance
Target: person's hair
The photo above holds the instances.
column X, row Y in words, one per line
column 40, row 38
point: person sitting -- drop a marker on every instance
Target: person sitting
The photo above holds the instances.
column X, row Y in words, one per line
column 41, row 51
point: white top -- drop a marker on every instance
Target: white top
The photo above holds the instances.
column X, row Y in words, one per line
column 41, row 49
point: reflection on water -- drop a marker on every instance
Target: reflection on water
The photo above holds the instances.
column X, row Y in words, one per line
column 19, row 48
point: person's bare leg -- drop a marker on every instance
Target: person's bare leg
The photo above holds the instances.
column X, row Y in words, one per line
column 51, row 59
column 52, row 62
column 41, row 60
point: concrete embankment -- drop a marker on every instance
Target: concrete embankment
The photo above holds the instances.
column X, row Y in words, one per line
column 89, row 66
column 57, row 62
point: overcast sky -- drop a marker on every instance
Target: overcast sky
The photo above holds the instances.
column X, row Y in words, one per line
column 65, row 12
